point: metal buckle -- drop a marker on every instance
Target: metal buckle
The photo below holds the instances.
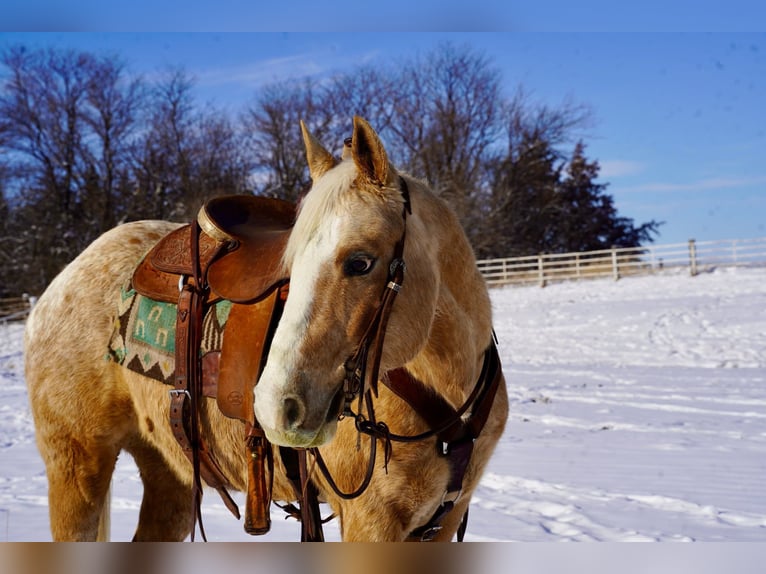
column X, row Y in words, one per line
column 451, row 497
column 176, row 392
column 430, row 533
column 446, row 447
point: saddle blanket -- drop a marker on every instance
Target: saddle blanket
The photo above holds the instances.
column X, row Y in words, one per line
column 143, row 339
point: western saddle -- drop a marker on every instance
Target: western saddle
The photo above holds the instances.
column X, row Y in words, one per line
column 232, row 251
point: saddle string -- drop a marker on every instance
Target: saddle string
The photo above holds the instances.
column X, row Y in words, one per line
column 186, row 397
column 197, row 292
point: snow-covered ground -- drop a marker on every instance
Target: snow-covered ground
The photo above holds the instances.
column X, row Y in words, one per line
column 638, row 412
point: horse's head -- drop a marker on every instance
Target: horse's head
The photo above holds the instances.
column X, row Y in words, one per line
column 338, row 257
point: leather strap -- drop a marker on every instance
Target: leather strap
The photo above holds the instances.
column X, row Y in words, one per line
column 455, row 436
column 185, row 397
column 296, row 470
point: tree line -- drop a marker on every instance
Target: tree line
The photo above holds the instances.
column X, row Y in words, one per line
column 86, row 145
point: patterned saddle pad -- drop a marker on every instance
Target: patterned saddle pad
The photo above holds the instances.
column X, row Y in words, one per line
column 143, row 339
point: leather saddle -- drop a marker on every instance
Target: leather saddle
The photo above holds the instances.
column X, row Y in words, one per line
column 240, row 254
column 240, row 251
column 232, row 251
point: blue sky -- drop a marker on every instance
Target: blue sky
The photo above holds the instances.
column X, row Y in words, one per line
column 679, row 118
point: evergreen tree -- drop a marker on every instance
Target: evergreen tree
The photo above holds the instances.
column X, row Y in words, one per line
column 588, row 219
column 524, row 202
column 542, row 203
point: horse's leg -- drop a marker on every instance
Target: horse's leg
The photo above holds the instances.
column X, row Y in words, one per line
column 166, row 508
column 79, row 473
column 105, row 518
column 385, row 522
column 367, row 519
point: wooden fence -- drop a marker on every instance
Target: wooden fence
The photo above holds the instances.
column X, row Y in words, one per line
column 622, row 261
column 618, row 262
column 16, row 308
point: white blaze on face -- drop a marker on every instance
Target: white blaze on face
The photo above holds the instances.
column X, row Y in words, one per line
column 282, row 377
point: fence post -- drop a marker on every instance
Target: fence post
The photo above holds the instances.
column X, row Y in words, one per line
column 692, row 257
column 541, row 270
column 615, row 266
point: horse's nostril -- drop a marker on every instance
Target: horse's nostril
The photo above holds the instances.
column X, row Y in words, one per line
column 293, row 412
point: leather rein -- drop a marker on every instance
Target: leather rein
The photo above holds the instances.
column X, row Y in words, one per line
column 455, row 434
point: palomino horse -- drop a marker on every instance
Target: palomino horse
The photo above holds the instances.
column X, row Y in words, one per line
column 361, row 230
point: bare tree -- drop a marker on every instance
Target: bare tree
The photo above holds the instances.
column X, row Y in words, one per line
column 66, row 121
column 84, row 145
column 275, row 141
column 43, row 110
column 162, row 154
column 368, row 91
column 447, row 118
column 184, row 156
column 42, row 119
column 113, row 118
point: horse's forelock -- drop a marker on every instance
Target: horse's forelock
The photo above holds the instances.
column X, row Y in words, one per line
column 331, row 195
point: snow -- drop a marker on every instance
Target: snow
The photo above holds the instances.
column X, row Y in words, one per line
column 638, row 412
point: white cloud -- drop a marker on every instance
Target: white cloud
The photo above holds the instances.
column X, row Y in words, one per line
column 261, row 72
column 712, row 183
column 619, row 168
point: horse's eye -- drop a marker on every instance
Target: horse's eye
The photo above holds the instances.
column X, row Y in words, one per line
column 358, row 264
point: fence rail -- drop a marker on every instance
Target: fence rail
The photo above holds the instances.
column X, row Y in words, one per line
column 16, row 308
column 549, row 267
column 622, row 261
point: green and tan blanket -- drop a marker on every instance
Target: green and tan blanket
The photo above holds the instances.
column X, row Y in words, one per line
column 144, row 339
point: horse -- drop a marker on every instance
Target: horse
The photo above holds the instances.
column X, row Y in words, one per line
column 364, row 228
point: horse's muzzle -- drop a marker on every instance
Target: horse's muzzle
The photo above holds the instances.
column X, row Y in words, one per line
column 294, row 420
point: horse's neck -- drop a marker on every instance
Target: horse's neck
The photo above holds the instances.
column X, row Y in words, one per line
column 461, row 329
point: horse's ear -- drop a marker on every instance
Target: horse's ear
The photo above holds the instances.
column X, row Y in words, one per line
column 369, row 155
column 319, row 159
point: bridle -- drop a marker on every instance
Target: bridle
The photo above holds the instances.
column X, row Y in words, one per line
column 455, row 435
column 357, row 382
